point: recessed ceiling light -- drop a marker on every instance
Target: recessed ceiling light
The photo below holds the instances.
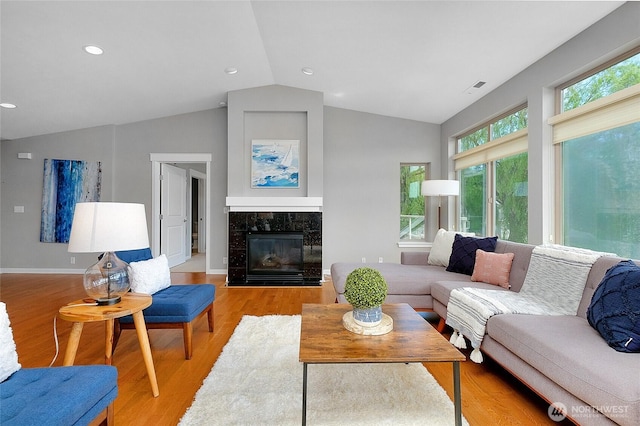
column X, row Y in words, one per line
column 307, row 71
column 7, row 105
column 231, row 70
column 93, row 50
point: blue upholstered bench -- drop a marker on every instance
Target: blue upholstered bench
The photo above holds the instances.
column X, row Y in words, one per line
column 176, row 306
column 58, row 395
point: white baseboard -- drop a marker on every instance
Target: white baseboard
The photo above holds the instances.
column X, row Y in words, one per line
column 216, row 271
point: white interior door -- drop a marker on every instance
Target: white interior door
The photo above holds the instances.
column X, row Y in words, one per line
column 173, row 214
column 202, row 211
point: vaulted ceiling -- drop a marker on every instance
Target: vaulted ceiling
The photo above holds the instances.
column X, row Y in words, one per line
column 416, row 59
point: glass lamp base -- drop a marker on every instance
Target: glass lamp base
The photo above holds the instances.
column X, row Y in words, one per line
column 107, row 280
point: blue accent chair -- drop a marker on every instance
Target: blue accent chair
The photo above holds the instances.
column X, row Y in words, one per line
column 176, row 306
column 62, row 396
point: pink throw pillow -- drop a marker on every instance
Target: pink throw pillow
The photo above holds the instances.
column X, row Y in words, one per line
column 492, row 268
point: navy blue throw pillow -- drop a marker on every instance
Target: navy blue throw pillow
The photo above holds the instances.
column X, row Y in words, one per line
column 463, row 252
column 614, row 310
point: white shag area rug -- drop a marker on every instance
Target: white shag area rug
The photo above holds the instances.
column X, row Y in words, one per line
column 257, row 380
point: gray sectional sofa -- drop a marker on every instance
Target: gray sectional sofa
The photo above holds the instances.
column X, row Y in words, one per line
column 561, row 358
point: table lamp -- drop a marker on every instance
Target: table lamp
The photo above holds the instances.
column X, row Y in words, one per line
column 106, row 228
column 440, row 188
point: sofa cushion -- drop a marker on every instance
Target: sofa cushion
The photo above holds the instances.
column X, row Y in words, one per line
column 492, row 268
column 463, row 253
column 566, row 349
column 615, row 307
column 521, row 261
column 441, row 290
column 401, row 279
column 442, row 245
column 8, row 355
column 57, row 396
column 596, row 274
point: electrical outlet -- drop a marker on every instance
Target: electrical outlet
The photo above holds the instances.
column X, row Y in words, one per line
column 224, row 260
column 380, row 260
column 364, row 260
column 73, row 260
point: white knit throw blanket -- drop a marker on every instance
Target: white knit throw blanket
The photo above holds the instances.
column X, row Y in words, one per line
column 553, row 285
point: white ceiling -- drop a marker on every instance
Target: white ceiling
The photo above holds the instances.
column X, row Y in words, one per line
column 413, row 59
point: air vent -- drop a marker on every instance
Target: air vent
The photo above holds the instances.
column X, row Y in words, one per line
column 471, row 89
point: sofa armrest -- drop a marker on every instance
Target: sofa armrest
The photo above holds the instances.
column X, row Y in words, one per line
column 414, row 257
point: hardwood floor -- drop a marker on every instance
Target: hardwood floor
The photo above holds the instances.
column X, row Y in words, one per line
column 489, row 394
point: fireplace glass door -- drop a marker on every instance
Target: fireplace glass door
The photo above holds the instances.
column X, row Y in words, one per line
column 276, row 256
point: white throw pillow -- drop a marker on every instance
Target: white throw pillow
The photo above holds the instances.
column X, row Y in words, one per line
column 442, row 246
column 8, row 355
column 150, row 276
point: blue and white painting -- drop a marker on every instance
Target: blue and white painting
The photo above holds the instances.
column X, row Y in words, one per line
column 275, row 163
column 66, row 182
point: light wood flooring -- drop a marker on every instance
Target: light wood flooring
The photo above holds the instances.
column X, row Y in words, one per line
column 490, row 396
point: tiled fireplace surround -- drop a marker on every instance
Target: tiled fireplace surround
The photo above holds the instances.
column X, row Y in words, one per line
column 271, row 226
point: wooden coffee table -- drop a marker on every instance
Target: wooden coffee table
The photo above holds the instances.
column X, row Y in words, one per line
column 324, row 340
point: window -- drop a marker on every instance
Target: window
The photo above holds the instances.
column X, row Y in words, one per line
column 597, row 136
column 492, row 165
column 412, row 203
column 612, row 79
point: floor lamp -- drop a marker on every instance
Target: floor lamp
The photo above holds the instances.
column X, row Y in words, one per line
column 440, row 188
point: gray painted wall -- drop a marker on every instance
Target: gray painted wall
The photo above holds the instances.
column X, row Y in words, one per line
column 22, row 186
column 361, row 159
column 608, row 38
column 363, row 153
column 124, row 151
column 275, row 112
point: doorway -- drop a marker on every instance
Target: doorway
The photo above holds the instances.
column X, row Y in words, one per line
column 199, row 166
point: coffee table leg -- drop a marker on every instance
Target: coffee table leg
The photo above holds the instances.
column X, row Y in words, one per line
column 457, row 405
column 304, row 394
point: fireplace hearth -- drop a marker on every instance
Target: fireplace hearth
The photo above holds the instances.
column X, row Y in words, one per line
column 279, row 248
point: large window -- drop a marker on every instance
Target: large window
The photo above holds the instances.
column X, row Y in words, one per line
column 412, row 203
column 492, row 165
column 598, row 139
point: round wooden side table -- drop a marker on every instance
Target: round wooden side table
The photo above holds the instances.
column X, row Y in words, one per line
column 80, row 312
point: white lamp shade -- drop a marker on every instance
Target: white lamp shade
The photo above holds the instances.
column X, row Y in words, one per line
column 103, row 227
column 436, row 188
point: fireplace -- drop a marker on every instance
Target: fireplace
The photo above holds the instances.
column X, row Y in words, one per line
column 275, row 248
column 274, row 256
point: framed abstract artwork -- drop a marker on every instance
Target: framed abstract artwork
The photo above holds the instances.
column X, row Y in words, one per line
column 66, row 182
column 275, row 163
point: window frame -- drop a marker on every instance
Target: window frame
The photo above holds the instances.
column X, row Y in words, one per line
column 415, row 242
column 609, row 105
column 489, row 153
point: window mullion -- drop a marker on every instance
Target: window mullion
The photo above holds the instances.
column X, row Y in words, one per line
column 491, row 198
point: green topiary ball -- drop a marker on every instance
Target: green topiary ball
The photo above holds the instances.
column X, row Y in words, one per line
column 365, row 288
